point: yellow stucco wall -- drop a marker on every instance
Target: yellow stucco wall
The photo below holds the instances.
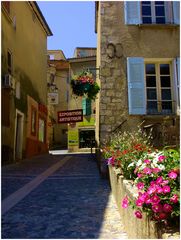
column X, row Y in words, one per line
column 26, row 39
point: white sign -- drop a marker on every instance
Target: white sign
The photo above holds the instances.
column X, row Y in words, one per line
column 53, row 98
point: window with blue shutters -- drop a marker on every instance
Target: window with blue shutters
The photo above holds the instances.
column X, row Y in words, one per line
column 152, row 12
column 86, row 106
column 136, row 86
column 151, row 86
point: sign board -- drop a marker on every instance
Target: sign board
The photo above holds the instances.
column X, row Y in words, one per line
column 70, row 116
column 53, row 98
column 73, row 138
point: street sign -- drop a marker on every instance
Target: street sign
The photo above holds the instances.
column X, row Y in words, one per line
column 70, row 116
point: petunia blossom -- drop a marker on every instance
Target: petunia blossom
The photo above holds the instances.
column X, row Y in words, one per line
column 110, row 161
column 147, row 161
column 140, row 185
column 157, row 208
column 159, row 180
column 125, row 202
column 138, row 214
column 166, row 189
column 174, row 198
column 161, row 158
column 155, row 199
column 172, row 175
column 167, row 208
column 147, row 170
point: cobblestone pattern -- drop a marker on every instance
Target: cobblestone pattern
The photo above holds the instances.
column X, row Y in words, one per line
column 67, row 205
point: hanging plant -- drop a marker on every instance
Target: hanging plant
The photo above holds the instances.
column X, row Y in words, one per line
column 83, row 84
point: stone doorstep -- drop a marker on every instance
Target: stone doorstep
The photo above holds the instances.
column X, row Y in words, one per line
column 132, row 192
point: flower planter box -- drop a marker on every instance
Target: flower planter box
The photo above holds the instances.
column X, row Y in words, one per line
column 136, row 228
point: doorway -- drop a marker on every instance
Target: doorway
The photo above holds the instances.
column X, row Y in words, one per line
column 18, row 135
column 86, row 138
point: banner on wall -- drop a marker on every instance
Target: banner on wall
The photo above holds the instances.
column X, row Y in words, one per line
column 70, row 116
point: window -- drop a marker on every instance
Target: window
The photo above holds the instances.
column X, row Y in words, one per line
column 153, row 86
column 158, row 88
column 152, row 12
column 41, row 130
column 9, row 57
column 86, row 138
column 33, row 121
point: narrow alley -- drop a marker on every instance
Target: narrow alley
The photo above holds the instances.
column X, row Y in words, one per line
column 58, row 196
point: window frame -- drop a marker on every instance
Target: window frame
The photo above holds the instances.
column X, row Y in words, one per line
column 153, row 13
column 157, row 63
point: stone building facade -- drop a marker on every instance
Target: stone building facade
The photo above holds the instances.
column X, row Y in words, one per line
column 138, row 59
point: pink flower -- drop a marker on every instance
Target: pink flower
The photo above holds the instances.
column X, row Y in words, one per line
column 147, row 170
column 159, row 180
column 110, row 161
column 139, row 175
column 125, row 202
column 138, row 214
column 174, row 198
column 167, row 208
column 157, row 208
column 151, row 190
column 152, row 183
column 165, row 182
column 166, row 189
column 140, row 185
column 172, row 175
column 139, row 202
column 156, row 170
column 147, row 161
column 159, row 189
column 155, row 199
column 161, row 158
column 161, row 216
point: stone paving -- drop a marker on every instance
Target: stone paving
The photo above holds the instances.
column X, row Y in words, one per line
column 72, row 203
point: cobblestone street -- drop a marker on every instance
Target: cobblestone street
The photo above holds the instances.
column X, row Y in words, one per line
column 58, row 197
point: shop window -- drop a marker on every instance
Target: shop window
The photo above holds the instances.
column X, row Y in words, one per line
column 41, row 130
column 86, row 138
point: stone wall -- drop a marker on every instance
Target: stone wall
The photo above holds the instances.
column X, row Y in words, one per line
column 136, row 228
column 116, row 42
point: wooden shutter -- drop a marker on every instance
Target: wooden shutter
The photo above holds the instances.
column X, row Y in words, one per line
column 132, row 12
column 176, row 64
column 88, row 109
column 86, row 106
column 136, row 86
column 168, row 12
column 176, row 12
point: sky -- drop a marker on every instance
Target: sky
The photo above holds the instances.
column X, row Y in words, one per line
column 72, row 24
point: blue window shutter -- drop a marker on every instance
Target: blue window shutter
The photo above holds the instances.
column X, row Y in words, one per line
column 88, row 107
column 176, row 12
column 84, row 106
column 132, row 12
column 178, row 83
column 136, row 86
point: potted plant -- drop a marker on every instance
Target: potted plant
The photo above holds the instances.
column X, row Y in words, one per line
column 83, row 84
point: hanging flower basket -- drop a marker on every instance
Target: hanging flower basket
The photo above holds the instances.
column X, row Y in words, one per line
column 84, row 85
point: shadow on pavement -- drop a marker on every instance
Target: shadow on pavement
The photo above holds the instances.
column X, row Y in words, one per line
column 71, row 203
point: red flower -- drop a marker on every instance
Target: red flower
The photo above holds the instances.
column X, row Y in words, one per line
column 138, row 214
